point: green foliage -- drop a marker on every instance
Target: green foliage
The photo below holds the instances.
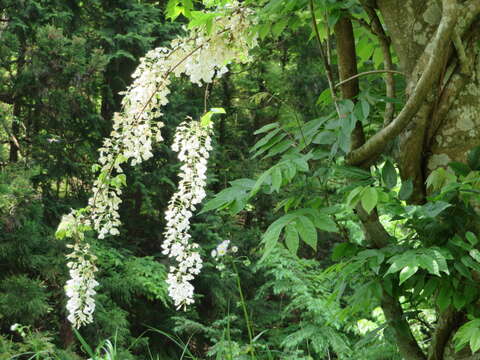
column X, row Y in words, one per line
column 468, row 334
column 23, row 299
column 311, row 281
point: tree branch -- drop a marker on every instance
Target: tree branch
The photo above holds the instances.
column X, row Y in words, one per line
column 373, row 229
column 347, row 69
column 377, row 29
column 447, row 321
column 326, row 63
column 368, row 73
column 375, row 145
column 406, row 343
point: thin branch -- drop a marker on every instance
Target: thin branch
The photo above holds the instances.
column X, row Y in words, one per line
column 378, row 30
column 376, row 144
column 205, row 98
column 325, row 60
column 368, row 73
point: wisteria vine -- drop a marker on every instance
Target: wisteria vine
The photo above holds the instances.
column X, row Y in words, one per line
column 200, row 56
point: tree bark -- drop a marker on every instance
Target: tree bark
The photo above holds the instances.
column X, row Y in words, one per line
column 435, row 42
column 375, row 233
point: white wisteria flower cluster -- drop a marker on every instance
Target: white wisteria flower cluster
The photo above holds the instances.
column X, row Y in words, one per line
column 192, row 142
column 80, row 289
column 200, row 55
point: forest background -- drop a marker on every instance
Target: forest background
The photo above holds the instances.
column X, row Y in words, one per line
column 309, row 280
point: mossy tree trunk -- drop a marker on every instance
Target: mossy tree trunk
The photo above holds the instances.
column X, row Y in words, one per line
column 436, row 42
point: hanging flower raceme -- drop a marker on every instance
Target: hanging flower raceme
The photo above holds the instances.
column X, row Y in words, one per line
column 201, row 55
column 80, row 289
column 192, row 142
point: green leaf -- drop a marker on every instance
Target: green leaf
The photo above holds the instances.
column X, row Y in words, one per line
column 432, row 210
column 444, row 297
column 475, row 342
column 353, row 173
column 430, row 288
column 377, row 57
column 266, row 128
column 325, row 223
column 473, row 158
column 264, row 140
column 279, row 26
column 429, row 263
column 469, row 262
column 353, row 197
column 325, row 97
column 389, row 175
column 173, row 10
column 440, row 178
column 472, row 239
column 206, row 119
column 462, row 269
column 291, row 238
column 459, row 300
column 272, row 142
column 235, row 195
column 276, row 179
column 343, row 250
column 407, row 272
column 263, row 30
column 307, row 231
column 279, row 148
column 260, row 181
column 369, row 199
column 344, row 141
column 406, row 190
column 468, row 333
column 325, row 138
column 271, row 236
column 475, row 254
column 459, row 168
column 458, row 241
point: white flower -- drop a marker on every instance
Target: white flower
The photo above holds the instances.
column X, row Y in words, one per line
column 223, row 248
column 190, row 141
column 135, row 129
column 80, row 288
column 14, row 327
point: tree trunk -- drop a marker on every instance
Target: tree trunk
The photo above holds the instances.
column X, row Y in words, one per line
column 17, row 108
column 447, row 123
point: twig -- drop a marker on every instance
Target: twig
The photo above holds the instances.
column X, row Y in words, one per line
column 325, row 60
column 368, row 73
column 377, row 29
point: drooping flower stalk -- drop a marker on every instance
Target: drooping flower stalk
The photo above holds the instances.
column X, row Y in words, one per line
column 81, row 287
column 192, row 142
column 200, row 56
